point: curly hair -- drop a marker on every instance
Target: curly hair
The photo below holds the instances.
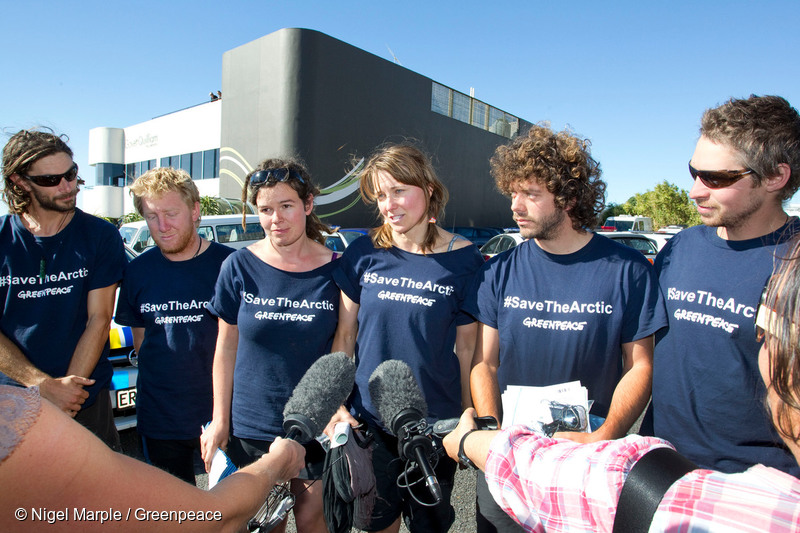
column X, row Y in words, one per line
column 409, row 165
column 157, row 182
column 23, row 149
column 764, row 130
column 306, row 191
column 782, row 338
column 562, row 163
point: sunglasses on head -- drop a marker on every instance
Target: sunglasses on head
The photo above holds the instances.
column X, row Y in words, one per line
column 717, row 179
column 274, row 175
column 51, row 180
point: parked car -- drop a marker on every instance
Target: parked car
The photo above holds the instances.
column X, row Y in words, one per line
column 637, row 241
column 478, row 235
column 339, row 240
column 500, row 243
column 510, row 239
column 123, row 359
column 224, row 229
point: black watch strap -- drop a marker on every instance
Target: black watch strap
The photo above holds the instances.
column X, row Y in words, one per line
column 462, row 457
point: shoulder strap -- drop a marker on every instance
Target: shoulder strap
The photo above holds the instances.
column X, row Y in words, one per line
column 456, row 237
column 645, row 486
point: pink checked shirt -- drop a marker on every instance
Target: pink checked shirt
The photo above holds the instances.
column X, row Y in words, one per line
column 558, row 485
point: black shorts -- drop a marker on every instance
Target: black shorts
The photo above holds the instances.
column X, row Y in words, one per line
column 393, row 501
column 246, row 451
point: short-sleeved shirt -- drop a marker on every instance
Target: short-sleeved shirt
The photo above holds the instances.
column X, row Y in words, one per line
column 409, row 308
column 707, row 390
column 286, row 321
column 564, row 318
column 168, row 299
column 44, row 289
column 559, row 485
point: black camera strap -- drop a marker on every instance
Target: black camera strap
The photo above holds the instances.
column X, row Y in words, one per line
column 644, row 488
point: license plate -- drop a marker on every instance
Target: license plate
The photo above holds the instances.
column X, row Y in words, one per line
column 126, row 398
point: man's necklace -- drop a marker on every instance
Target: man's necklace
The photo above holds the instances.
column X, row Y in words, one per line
column 43, row 262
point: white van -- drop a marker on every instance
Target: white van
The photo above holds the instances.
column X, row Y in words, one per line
column 224, row 229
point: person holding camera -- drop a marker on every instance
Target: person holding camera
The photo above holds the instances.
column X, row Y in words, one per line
column 567, row 304
column 556, row 484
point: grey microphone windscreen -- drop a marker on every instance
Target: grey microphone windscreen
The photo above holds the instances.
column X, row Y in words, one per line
column 319, row 393
column 393, row 389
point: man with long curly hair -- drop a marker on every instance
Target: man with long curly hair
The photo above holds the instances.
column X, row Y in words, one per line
column 59, row 269
column 567, row 304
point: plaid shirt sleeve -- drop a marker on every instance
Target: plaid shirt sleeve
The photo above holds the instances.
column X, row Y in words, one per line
column 559, row 485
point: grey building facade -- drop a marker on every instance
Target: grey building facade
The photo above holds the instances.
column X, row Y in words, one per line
column 299, row 92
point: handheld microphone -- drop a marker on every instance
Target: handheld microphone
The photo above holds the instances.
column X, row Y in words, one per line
column 402, row 409
column 319, row 393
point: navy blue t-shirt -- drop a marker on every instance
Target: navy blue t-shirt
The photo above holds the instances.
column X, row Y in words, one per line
column 409, row 307
column 168, row 299
column 286, row 321
column 45, row 317
column 707, row 391
column 565, row 317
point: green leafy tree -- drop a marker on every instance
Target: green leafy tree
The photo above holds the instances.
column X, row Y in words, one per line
column 130, row 217
column 666, row 204
column 209, row 205
column 611, row 210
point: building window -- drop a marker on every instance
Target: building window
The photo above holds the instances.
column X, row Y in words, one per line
column 197, row 165
column 110, row 174
column 210, row 164
column 186, row 163
column 459, row 106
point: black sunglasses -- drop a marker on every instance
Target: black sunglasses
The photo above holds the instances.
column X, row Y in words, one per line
column 717, row 179
column 51, row 180
column 274, row 175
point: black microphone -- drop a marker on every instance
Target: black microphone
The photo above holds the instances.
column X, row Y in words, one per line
column 319, row 393
column 402, row 408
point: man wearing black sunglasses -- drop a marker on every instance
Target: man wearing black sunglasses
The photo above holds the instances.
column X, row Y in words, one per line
column 706, row 388
column 58, row 272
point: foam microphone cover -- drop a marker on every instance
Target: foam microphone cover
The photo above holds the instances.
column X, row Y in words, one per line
column 319, row 393
column 393, row 390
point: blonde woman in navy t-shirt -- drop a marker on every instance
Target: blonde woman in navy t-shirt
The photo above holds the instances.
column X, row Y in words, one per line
column 402, row 290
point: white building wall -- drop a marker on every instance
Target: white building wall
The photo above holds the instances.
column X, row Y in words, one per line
column 195, row 129
column 190, row 130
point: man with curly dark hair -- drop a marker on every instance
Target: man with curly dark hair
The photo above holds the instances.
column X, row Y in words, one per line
column 567, row 304
column 706, row 386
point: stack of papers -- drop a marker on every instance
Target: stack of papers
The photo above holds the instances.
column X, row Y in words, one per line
column 221, row 467
column 530, row 406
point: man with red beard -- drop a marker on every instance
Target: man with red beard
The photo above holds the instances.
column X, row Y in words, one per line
column 58, row 272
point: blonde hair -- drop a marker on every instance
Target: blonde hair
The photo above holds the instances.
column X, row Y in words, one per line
column 409, row 165
column 160, row 181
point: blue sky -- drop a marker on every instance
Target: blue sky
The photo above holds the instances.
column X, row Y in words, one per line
column 634, row 77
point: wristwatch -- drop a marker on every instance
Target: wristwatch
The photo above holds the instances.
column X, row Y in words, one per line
column 462, row 457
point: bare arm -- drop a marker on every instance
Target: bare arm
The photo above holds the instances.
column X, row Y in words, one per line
column 66, row 393
column 216, row 435
column 483, row 378
column 630, row 395
column 100, row 308
column 476, row 445
column 76, row 477
column 344, row 341
column 465, row 350
column 347, row 329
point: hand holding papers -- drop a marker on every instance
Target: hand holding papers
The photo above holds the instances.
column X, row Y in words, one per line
column 562, row 407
